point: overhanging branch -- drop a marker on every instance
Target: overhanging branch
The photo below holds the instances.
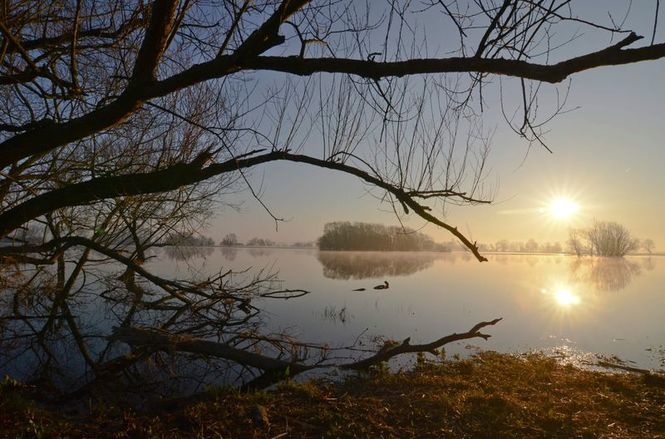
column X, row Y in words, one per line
column 553, row 73
column 52, row 136
column 184, row 174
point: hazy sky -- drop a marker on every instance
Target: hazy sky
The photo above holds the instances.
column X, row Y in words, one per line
column 608, row 157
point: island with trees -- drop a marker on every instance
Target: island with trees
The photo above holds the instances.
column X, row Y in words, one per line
column 344, row 235
column 188, row 240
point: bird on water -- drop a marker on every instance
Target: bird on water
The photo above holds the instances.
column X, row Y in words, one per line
column 383, row 286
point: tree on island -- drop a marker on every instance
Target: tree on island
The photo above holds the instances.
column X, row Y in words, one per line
column 603, row 238
column 125, row 122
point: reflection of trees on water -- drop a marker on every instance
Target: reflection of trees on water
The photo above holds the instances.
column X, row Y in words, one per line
column 361, row 265
column 57, row 331
column 604, row 274
column 258, row 252
column 229, row 253
column 181, row 253
column 648, row 264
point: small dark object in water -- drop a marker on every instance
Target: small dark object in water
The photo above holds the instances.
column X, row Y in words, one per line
column 359, row 289
column 385, row 286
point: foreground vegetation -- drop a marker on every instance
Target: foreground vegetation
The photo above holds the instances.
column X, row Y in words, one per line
column 490, row 395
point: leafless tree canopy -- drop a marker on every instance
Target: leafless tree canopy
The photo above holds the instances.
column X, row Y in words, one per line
column 90, row 91
column 123, row 122
column 603, row 238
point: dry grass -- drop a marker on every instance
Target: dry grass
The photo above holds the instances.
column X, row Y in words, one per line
column 491, row 395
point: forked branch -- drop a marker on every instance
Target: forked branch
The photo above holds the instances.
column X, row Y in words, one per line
column 158, row 340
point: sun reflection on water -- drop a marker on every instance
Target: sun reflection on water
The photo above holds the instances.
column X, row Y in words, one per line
column 565, row 297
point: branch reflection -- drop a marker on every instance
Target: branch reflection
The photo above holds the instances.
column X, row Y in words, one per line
column 58, row 329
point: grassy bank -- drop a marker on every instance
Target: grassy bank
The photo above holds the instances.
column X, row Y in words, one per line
column 491, row 395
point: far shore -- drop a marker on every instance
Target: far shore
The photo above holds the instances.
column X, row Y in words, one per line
column 511, row 253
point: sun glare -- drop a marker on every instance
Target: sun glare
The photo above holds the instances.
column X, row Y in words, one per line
column 565, row 298
column 563, row 208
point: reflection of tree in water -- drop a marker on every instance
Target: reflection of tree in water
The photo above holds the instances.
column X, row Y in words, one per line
column 179, row 253
column 648, row 264
column 604, row 274
column 257, row 252
column 61, row 335
column 361, row 265
column 97, row 329
column 229, row 253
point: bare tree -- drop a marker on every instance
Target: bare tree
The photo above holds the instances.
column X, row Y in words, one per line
column 648, row 245
column 610, row 239
column 85, row 74
column 575, row 242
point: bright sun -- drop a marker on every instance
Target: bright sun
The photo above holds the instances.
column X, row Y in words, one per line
column 563, row 208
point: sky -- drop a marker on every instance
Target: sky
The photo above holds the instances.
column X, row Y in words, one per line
column 608, row 157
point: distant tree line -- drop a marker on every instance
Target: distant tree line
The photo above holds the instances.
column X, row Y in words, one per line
column 530, row 246
column 603, row 238
column 344, row 235
column 231, row 240
column 260, row 242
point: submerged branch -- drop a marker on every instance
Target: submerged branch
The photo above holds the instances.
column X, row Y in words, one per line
column 276, row 369
column 392, row 350
column 165, row 341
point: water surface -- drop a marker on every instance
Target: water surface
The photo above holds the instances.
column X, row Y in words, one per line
column 567, row 306
column 558, row 303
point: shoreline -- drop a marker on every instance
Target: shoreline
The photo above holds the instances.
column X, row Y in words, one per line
column 490, row 394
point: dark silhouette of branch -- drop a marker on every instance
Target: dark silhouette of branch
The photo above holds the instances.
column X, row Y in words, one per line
column 50, row 137
column 392, row 350
column 553, row 73
column 184, row 174
column 276, row 369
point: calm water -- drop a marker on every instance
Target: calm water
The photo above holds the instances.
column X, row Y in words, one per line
column 567, row 306
column 561, row 304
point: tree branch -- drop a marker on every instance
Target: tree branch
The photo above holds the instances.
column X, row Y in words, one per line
column 154, row 42
column 50, row 137
column 277, row 369
column 553, row 73
column 184, row 174
column 390, row 351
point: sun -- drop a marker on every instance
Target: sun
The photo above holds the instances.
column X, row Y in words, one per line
column 563, row 208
